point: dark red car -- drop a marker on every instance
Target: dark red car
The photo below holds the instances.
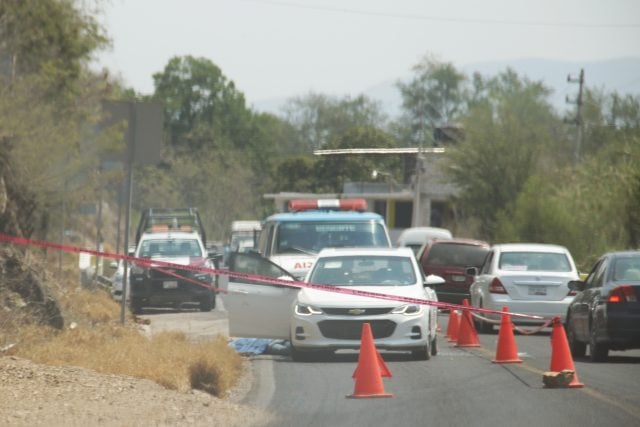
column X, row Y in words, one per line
column 449, row 260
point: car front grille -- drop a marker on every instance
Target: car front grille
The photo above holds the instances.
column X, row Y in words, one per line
column 357, row 311
column 352, row 329
column 158, row 275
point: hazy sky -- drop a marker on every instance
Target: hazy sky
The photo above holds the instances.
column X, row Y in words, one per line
column 283, row 48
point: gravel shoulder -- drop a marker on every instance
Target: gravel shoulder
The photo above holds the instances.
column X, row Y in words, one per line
column 42, row 395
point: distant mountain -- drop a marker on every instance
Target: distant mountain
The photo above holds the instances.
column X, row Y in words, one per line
column 621, row 75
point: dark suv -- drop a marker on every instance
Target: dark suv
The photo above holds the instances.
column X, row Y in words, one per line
column 449, row 259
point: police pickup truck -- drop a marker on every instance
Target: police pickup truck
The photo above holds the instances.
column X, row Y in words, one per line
column 175, row 236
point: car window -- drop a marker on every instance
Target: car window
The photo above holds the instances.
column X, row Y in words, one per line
column 534, row 261
column 456, row 255
column 486, row 267
column 363, row 270
column 596, row 276
column 625, row 268
column 254, row 264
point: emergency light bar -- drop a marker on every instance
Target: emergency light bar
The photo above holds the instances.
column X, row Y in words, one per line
column 297, row 205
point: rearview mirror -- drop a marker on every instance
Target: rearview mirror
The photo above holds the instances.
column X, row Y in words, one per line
column 433, row 280
column 576, row 285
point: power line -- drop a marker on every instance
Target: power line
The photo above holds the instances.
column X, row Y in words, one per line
column 444, row 18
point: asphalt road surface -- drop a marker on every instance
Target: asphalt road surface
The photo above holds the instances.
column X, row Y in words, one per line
column 458, row 387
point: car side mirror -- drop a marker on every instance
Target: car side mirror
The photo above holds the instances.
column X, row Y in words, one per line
column 433, row 280
column 576, row 285
column 471, row 271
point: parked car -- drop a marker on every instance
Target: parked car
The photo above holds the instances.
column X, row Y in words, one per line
column 415, row 237
column 605, row 314
column 449, row 259
column 117, row 280
column 527, row 278
column 319, row 321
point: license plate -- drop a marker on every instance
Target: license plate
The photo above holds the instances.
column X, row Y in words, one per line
column 171, row 284
column 538, row 290
column 458, row 278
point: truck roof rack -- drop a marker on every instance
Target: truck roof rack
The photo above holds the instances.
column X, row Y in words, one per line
column 170, row 219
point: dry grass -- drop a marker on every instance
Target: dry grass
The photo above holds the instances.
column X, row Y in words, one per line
column 93, row 338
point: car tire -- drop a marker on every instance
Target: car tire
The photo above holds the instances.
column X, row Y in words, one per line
column 482, row 326
column 422, row 353
column 207, row 304
column 136, row 305
column 598, row 351
column 578, row 349
column 434, row 346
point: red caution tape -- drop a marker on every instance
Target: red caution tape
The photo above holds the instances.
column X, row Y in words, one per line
column 163, row 265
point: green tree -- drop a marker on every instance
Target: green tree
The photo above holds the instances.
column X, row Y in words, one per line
column 509, row 130
column 317, row 119
column 432, row 98
column 49, row 101
column 50, row 38
column 202, row 107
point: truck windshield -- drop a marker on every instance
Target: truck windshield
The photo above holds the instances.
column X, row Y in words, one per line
column 170, row 248
column 311, row 237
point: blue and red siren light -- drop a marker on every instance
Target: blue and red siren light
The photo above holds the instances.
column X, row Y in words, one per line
column 298, row 205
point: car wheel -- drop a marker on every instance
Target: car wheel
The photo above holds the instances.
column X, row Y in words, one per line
column 598, row 351
column 434, row 346
column 481, row 326
column 136, row 305
column 422, row 353
column 207, row 304
column 578, row 349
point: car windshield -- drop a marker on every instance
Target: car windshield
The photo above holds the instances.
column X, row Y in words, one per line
column 363, row 270
column 311, row 237
column 534, row 261
column 152, row 248
column 456, row 255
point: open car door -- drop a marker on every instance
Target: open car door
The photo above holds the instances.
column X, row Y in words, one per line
column 257, row 309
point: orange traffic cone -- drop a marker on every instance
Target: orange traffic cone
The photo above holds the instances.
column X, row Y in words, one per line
column 506, row 351
column 452, row 327
column 561, row 353
column 467, row 334
column 370, row 370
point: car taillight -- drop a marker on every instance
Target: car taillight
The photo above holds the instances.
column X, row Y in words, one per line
column 495, row 287
column 624, row 293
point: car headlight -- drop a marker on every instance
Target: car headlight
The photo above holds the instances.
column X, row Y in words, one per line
column 409, row 309
column 306, row 310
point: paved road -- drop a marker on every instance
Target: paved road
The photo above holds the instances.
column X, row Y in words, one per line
column 459, row 387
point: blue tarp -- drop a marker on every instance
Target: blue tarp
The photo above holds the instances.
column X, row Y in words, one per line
column 256, row 346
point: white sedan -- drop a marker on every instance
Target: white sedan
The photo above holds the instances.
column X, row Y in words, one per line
column 321, row 321
column 527, row 278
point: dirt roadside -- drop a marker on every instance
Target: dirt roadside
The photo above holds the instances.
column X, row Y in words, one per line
column 41, row 395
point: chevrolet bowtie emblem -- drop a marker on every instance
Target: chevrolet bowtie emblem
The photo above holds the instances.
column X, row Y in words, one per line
column 356, row 311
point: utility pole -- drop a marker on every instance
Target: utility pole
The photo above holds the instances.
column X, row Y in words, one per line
column 578, row 119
